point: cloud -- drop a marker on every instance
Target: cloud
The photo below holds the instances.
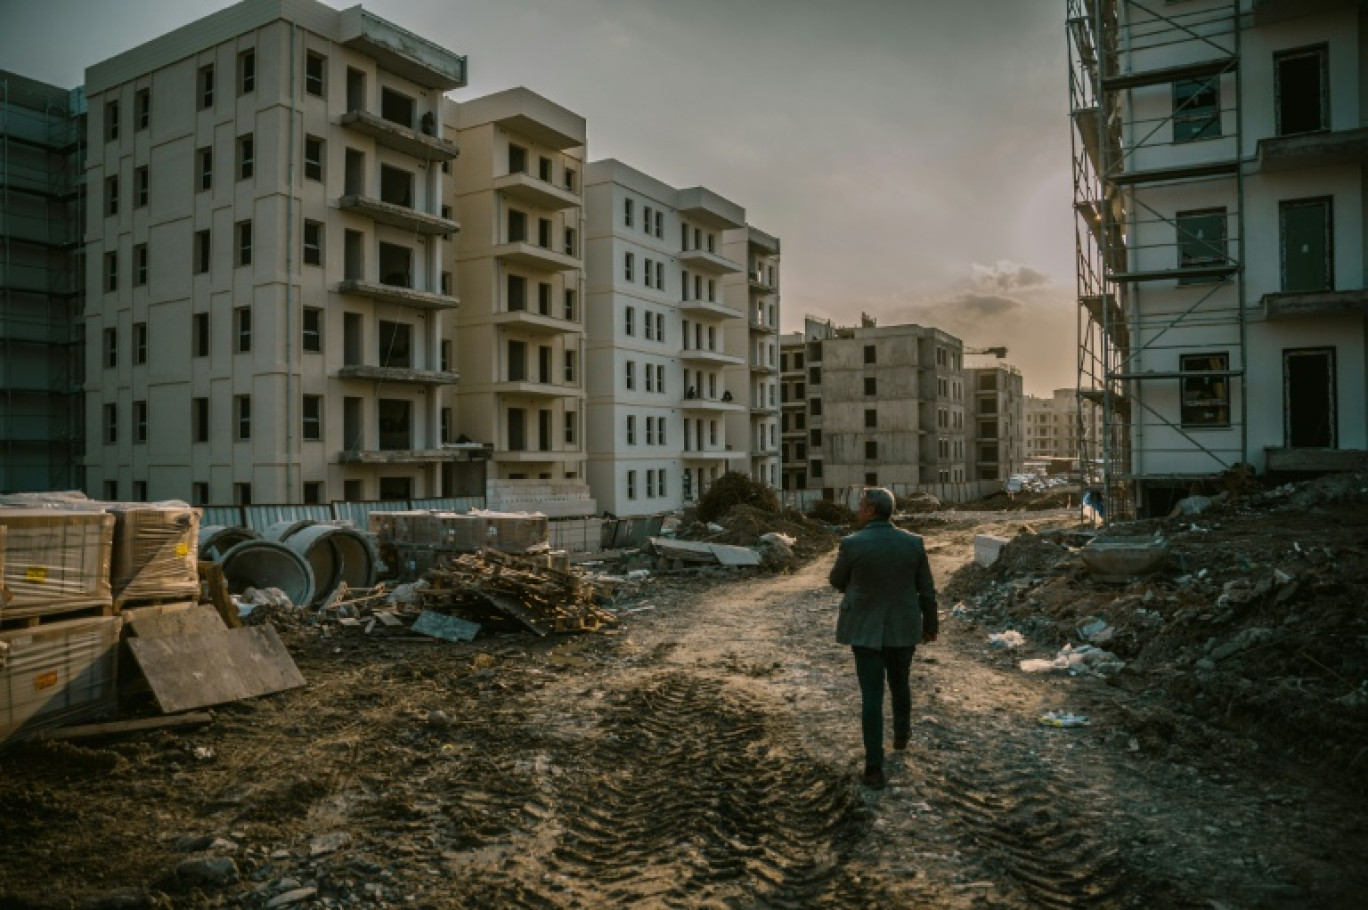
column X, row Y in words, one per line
column 1006, row 275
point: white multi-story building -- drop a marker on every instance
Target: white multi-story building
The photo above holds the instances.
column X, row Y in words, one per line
column 756, row 292
column 675, row 374
column 518, row 193
column 268, row 314
column 1220, row 148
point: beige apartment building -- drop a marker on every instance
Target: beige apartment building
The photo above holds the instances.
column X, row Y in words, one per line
column 1054, row 425
column 755, row 292
column 518, row 192
column 268, row 314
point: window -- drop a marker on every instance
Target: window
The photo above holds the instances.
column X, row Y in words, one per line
column 312, row 416
column 544, row 233
column 650, row 377
column 631, row 484
column 142, row 109
column 111, row 270
column 242, row 328
column 111, row 423
column 815, row 375
column 570, row 305
column 444, row 355
column 570, row 367
column 140, row 421
column 629, row 266
column 627, row 212
column 1306, row 228
column 815, row 437
column 396, row 186
column 246, row 157
column 650, row 484
column 200, row 493
column 660, row 327
column 1196, row 109
column 112, row 195
column 630, row 374
column 141, row 187
column 396, row 265
column 660, row 232
column 571, row 180
column 871, row 450
column 397, row 108
column 111, row 347
column 517, row 226
column 871, row 385
column 569, row 428
column 544, row 298
column 140, row 265
column 315, row 66
column 313, row 242
column 205, row 88
column 571, row 241
column 111, row 124
column 629, row 320
column 243, row 233
column 242, row 494
column 517, row 159
column 1206, row 399
column 313, row 158
column 631, row 429
column 869, row 353
column 815, row 407
column 246, row 72
column 140, row 342
column 517, row 293
column 660, row 276
column 202, row 249
column 1301, row 88
column 312, row 330
column 544, row 168
column 871, row 417
column 200, row 330
column 242, row 416
column 313, row 492
column 649, row 322
column 1201, row 243
column 646, row 218
column 206, row 167
column 396, row 344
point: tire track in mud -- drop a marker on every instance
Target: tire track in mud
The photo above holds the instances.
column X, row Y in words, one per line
column 1025, row 825
column 688, row 796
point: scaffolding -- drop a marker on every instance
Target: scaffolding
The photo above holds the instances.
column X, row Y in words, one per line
column 42, row 275
column 1154, row 99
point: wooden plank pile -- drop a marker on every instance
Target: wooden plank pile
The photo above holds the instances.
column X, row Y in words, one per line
column 490, row 585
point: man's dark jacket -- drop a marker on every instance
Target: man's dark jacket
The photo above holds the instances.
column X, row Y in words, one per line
column 890, row 597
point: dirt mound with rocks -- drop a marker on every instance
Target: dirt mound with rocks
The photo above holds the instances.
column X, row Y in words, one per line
column 1250, row 637
column 744, row 525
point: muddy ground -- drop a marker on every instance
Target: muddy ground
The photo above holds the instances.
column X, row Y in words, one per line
column 704, row 754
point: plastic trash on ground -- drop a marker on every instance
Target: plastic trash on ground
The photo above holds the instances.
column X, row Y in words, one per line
column 1009, row 639
column 1063, row 719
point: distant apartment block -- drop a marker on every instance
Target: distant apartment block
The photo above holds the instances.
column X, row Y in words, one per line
column 1054, row 424
column 997, row 421
column 42, row 284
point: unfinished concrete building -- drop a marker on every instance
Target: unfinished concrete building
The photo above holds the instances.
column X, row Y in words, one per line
column 42, row 278
column 997, row 421
column 755, row 292
column 1219, row 181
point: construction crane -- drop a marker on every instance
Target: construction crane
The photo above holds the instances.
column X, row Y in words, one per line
column 998, row 352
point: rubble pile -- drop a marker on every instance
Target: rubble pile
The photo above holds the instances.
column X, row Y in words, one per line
column 1254, row 624
column 745, row 525
column 490, row 586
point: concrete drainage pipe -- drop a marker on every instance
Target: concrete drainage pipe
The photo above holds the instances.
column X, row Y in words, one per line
column 267, row 564
column 336, row 553
column 215, row 540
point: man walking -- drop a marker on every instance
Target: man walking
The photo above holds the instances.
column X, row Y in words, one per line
column 888, row 608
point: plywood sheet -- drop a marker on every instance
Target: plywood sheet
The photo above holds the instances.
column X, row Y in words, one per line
column 173, row 619
column 211, row 668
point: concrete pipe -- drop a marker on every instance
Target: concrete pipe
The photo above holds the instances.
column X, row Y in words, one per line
column 215, row 540
column 267, row 564
column 337, row 555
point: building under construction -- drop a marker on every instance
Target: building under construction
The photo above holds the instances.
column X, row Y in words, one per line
column 42, row 218
column 1219, row 185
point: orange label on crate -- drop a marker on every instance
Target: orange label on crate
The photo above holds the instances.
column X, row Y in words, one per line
column 44, row 681
column 182, row 550
column 36, row 575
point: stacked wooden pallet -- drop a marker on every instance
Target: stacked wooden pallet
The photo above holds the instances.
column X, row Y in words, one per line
column 532, row 590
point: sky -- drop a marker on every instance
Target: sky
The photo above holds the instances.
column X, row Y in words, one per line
column 911, row 155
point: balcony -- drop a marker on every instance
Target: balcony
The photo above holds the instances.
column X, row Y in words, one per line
column 537, row 193
column 709, row 209
column 1297, row 304
column 709, row 358
column 398, row 137
column 1306, row 150
column 536, row 258
column 535, row 456
column 398, row 374
column 400, row 51
column 529, row 388
column 762, row 369
column 396, row 294
column 709, row 263
column 396, row 456
column 711, row 405
column 758, row 282
column 399, row 216
column 533, row 323
column 709, row 308
column 710, row 455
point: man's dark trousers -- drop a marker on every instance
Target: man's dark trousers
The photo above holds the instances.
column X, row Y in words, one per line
column 872, row 667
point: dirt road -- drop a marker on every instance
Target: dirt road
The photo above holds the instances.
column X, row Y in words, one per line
column 704, row 756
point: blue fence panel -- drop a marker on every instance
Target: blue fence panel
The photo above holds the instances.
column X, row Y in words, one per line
column 261, row 517
column 227, row 516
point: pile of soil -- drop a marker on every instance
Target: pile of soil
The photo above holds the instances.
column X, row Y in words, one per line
column 1025, row 501
column 744, row 525
column 1252, row 634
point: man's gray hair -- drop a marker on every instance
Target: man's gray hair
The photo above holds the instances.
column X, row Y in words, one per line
column 880, row 499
